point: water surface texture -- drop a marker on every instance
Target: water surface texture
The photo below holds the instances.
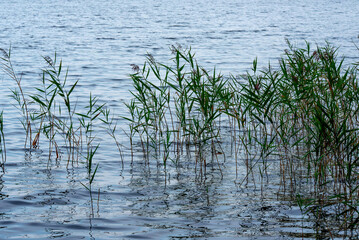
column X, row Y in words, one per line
column 99, row 40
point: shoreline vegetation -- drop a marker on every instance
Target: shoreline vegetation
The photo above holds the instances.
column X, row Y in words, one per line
column 303, row 113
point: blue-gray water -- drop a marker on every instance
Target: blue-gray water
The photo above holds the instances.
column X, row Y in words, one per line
column 99, row 40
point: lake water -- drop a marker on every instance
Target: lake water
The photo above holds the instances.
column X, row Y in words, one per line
column 99, row 40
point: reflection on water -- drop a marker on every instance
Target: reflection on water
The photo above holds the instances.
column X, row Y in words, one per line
column 144, row 204
column 99, row 40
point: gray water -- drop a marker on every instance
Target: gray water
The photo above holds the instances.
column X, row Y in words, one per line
column 99, row 40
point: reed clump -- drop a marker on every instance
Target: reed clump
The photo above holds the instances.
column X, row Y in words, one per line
column 176, row 108
column 50, row 113
column 303, row 113
column 306, row 114
column 49, row 110
column 299, row 118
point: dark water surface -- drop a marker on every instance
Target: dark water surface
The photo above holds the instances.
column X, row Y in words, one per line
column 99, row 40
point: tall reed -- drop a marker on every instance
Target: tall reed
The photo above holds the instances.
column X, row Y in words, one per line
column 18, row 93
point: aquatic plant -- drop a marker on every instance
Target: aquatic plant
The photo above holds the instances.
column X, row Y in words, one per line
column 299, row 118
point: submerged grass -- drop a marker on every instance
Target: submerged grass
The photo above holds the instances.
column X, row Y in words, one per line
column 2, row 142
column 303, row 113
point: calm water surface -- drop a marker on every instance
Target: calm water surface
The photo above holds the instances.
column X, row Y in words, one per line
column 99, row 40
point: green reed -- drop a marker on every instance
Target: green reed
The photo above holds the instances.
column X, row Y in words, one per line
column 111, row 127
column 51, row 100
column 91, row 173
